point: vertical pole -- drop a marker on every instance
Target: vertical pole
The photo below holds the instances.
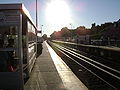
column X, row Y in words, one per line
column 71, row 26
column 41, row 29
column 20, row 54
column 36, row 31
column 36, row 15
column 71, row 30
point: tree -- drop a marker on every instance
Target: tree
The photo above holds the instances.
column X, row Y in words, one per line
column 65, row 32
column 56, row 35
column 81, row 30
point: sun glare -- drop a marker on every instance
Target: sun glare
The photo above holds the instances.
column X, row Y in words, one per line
column 58, row 12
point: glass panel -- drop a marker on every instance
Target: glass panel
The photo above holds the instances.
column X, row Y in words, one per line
column 24, row 43
column 8, row 48
column 31, row 41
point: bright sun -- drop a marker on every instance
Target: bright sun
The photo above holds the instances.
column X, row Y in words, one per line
column 58, row 12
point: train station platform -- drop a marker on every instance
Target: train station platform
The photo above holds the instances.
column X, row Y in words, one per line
column 51, row 73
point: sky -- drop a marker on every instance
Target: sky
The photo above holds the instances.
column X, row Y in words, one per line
column 55, row 14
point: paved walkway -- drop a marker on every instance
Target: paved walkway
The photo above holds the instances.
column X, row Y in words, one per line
column 51, row 73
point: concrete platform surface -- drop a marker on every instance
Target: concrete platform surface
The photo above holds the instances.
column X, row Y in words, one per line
column 51, row 73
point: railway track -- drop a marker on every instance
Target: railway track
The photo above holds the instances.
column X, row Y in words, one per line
column 95, row 72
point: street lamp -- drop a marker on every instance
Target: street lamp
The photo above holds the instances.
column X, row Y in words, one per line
column 71, row 25
column 71, row 31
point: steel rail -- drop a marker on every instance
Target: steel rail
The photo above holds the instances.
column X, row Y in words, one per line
column 91, row 60
column 83, row 58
